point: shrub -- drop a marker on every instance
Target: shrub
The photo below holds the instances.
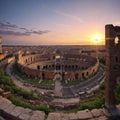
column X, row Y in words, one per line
column 92, row 104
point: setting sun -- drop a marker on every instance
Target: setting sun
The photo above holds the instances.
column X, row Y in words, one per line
column 96, row 38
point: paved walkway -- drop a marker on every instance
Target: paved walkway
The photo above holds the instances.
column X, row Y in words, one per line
column 21, row 84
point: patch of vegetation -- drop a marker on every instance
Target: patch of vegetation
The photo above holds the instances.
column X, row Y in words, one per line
column 97, row 103
column 101, row 59
column 18, row 95
column 48, row 82
column 117, row 94
column 23, row 104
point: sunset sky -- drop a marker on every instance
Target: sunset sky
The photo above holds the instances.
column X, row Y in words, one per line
column 56, row 22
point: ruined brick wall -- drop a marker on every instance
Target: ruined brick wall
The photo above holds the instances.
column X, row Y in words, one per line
column 49, row 74
column 112, row 62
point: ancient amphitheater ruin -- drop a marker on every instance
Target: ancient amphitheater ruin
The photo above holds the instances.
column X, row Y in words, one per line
column 59, row 67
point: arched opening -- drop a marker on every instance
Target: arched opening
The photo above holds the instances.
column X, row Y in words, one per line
column 76, row 76
column 38, row 67
column 116, row 40
column 43, row 76
column 116, row 59
column 83, row 75
column 87, row 73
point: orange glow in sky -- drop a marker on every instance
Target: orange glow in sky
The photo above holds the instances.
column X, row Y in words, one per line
column 57, row 22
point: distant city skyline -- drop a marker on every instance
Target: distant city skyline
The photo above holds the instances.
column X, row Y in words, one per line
column 56, row 22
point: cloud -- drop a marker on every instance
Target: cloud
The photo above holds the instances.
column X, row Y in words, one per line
column 14, row 33
column 7, row 25
column 7, row 28
column 74, row 17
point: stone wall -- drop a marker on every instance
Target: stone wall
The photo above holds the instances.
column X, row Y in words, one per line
column 48, row 74
column 12, row 112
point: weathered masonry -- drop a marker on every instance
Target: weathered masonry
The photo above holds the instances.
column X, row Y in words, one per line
column 112, row 39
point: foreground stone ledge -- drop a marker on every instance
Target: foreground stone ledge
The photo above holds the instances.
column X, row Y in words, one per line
column 10, row 108
column 54, row 116
column 4, row 100
column 26, row 114
column 17, row 111
column 4, row 104
column 64, row 116
column 38, row 115
column 97, row 112
column 102, row 118
column 73, row 116
column 84, row 115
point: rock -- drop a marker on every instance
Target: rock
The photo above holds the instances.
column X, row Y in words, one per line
column 38, row 115
column 17, row 111
column 9, row 109
column 4, row 105
column 64, row 116
column 84, row 115
column 72, row 116
column 54, row 116
column 102, row 118
column 97, row 112
column 26, row 114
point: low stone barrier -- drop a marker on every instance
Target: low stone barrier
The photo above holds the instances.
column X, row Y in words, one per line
column 12, row 112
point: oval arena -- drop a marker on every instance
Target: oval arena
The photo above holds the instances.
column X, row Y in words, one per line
column 68, row 66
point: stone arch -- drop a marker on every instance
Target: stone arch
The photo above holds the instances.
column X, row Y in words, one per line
column 38, row 67
column 87, row 73
column 83, row 75
column 76, row 76
column 58, row 77
column 43, row 76
column 116, row 40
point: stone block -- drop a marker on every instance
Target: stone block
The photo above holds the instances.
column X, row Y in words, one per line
column 4, row 100
column 97, row 112
column 72, row 116
column 4, row 105
column 26, row 114
column 38, row 115
column 17, row 111
column 84, row 115
column 64, row 116
column 9, row 109
column 54, row 116
column 102, row 118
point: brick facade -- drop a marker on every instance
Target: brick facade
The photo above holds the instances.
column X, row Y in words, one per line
column 74, row 67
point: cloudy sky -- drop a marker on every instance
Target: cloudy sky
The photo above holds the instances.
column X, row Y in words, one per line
column 56, row 22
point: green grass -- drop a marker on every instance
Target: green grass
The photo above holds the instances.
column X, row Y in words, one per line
column 49, row 82
column 97, row 103
column 19, row 96
column 19, row 102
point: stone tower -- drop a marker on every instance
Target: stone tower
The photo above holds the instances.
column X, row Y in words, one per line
column 0, row 44
column 112, row 39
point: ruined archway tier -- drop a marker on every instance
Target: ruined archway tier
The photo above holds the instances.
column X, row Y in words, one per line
column 70, row 66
